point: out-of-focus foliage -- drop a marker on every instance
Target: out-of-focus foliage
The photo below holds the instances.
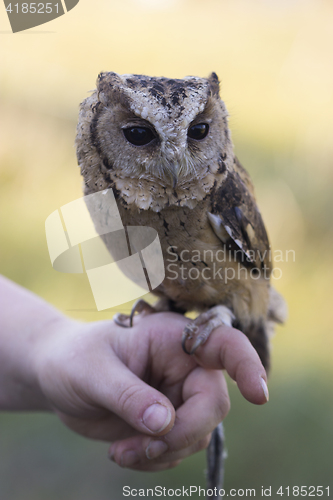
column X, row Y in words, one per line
column 274, row 59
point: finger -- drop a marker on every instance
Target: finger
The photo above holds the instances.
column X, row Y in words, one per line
column 141, row 451
column 107, row 428
column 114, row 387
column 153, row 467
column 206, row 403
column 230, row 349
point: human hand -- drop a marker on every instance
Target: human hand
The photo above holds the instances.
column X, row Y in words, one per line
column 137, row 388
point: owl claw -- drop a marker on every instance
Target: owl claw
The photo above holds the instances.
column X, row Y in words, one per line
column 198, row 342
column 121, row 320
column 189, row 332
column 139, row 307
column 200, row 338
column 211, row 319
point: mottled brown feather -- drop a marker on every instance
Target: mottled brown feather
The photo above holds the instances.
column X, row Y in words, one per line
column 173, row 184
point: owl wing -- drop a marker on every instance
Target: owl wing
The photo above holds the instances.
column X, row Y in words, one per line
column 235, row 219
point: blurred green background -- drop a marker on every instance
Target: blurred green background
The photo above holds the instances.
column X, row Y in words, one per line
column 275, row 62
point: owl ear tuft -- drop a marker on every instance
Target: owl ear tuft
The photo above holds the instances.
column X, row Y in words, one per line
column 214, row 84
column 110, row 89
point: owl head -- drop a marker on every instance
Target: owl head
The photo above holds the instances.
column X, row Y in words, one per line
column 156, row 141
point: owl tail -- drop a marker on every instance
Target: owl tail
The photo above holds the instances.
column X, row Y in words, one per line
column 215, row 462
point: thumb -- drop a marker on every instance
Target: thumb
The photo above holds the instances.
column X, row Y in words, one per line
column 120, row 391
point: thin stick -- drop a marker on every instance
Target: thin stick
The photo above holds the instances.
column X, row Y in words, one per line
column 215, row 462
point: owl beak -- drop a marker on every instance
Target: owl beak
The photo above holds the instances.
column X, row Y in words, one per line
column 174, row 180
column 174, row 175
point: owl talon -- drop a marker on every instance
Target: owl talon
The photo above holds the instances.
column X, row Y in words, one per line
column 198, row 342
column 121, row 320
column 211, row 319
column 189, row 332
column 200, row 339
column 139, row 307
column 185, row 337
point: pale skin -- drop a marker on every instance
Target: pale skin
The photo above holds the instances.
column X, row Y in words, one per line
column 134, row 388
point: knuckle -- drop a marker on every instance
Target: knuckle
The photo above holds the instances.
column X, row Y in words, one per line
column 126, row 396
column 187, row 439
column 203, row 443
column 222, row 408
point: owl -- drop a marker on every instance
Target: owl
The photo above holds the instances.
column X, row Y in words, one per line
column 164, row 146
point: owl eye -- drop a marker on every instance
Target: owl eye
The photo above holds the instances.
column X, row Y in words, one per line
column 139, row 136
column 198, row 131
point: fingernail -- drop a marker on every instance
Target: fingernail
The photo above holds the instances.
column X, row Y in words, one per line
column 155, row 449
column 156, row 417
column 264, row 388
column 129, row 458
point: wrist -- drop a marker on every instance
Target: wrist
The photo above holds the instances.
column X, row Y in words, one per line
column 43, row 368
column 26, row 321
